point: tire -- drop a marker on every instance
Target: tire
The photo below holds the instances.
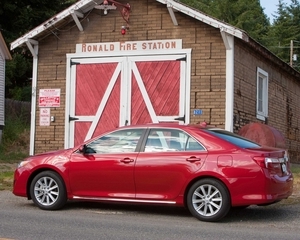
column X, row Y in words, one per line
column 48, row 191
column 208, row 200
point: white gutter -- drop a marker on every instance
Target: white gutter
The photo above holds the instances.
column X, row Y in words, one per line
column 34, row 51
column 229, row 104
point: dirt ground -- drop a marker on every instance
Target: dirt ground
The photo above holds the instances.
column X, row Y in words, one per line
column 6, row 167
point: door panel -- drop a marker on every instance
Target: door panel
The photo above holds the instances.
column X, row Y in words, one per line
column 91, row 82
column 102, row 175
column 95, row 99
column 105, row 168
column 162, row 175
column 161, row 81
column 139, row 111
column 166, row 164
column 81, row 128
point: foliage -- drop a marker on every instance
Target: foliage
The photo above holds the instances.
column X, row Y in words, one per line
column 16, row 18
column 284, row 30
column 18, row 77
column 19, row 16
column 244, row 14
column 15, row 140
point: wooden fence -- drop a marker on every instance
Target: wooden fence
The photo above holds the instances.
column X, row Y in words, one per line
column 17, row 109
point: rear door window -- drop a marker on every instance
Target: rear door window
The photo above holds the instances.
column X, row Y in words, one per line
column 166, row 140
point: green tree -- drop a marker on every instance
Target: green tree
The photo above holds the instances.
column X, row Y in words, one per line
column 294, row 11
column 16, row 18
column 244, row 14
column 285, row 29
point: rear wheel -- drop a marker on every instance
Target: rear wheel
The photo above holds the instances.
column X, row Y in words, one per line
column 48, row 191
column 208, row 200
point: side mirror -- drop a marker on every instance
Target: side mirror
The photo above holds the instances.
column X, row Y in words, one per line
column 84, row 149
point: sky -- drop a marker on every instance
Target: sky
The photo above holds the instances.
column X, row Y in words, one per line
column 270, row 7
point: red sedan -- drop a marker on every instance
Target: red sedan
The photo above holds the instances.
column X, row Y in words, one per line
column 208, row 170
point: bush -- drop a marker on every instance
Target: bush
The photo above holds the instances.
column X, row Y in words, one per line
column 15, row 140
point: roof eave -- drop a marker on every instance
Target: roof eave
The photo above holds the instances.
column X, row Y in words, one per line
column 204, row 18
column 70, row 11
column 4, row 48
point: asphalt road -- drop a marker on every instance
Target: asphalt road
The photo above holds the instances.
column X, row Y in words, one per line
column 20, row 219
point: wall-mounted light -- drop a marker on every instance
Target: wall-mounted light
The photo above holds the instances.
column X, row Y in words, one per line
column 105, row 7
column 124, row 29
column 125, row 11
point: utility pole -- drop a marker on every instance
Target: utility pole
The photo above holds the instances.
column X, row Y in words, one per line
column 291, row 53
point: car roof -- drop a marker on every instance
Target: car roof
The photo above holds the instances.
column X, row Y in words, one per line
column 168, row 125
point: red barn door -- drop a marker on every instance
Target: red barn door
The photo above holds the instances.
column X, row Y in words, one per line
column 116, row 91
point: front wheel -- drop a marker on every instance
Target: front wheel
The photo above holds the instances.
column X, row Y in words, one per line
column 48, row 191
column 208, row 200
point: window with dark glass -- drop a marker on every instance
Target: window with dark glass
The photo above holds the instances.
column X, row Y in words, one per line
column 234, row 138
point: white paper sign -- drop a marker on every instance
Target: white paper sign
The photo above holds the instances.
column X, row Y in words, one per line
column 49, row 98
column 44, row 116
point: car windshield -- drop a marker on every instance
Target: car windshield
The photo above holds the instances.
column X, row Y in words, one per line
column 233, row 138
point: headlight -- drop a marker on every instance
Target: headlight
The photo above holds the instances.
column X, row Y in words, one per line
column 23, row 163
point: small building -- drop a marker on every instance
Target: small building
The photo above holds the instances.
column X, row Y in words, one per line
column 4, row 55
column 102, row 64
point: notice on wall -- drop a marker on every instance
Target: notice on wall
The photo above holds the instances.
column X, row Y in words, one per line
column 45, row 117
column 49, row 98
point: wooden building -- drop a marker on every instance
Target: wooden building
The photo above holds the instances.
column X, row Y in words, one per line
column 102, row 64
column 4, row 55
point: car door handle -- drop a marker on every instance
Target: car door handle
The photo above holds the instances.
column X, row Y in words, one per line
column 193, row 159
column 127, row 160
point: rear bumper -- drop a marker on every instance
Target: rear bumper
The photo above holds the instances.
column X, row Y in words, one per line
column 265, row 190
column 279, row 188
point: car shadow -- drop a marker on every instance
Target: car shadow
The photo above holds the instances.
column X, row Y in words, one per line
column 271, row 213
column 128, row 208
column 275, row 212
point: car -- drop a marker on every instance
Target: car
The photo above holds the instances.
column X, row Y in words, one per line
column 208, row 170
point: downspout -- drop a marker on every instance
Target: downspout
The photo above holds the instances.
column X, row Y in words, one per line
column 229, row 104
column 33, row 47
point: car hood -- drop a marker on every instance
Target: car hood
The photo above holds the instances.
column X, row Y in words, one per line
column 52, row 158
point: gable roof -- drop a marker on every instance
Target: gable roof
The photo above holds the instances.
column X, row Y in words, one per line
column 3, row 48
column 82, row 7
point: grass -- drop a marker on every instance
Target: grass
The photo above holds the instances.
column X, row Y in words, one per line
column 13, row 148
column 6, row 177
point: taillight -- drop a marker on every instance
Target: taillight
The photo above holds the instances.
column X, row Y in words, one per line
column 273, row 164
column 270, row 162
column 260, row 161
column 267, row 162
